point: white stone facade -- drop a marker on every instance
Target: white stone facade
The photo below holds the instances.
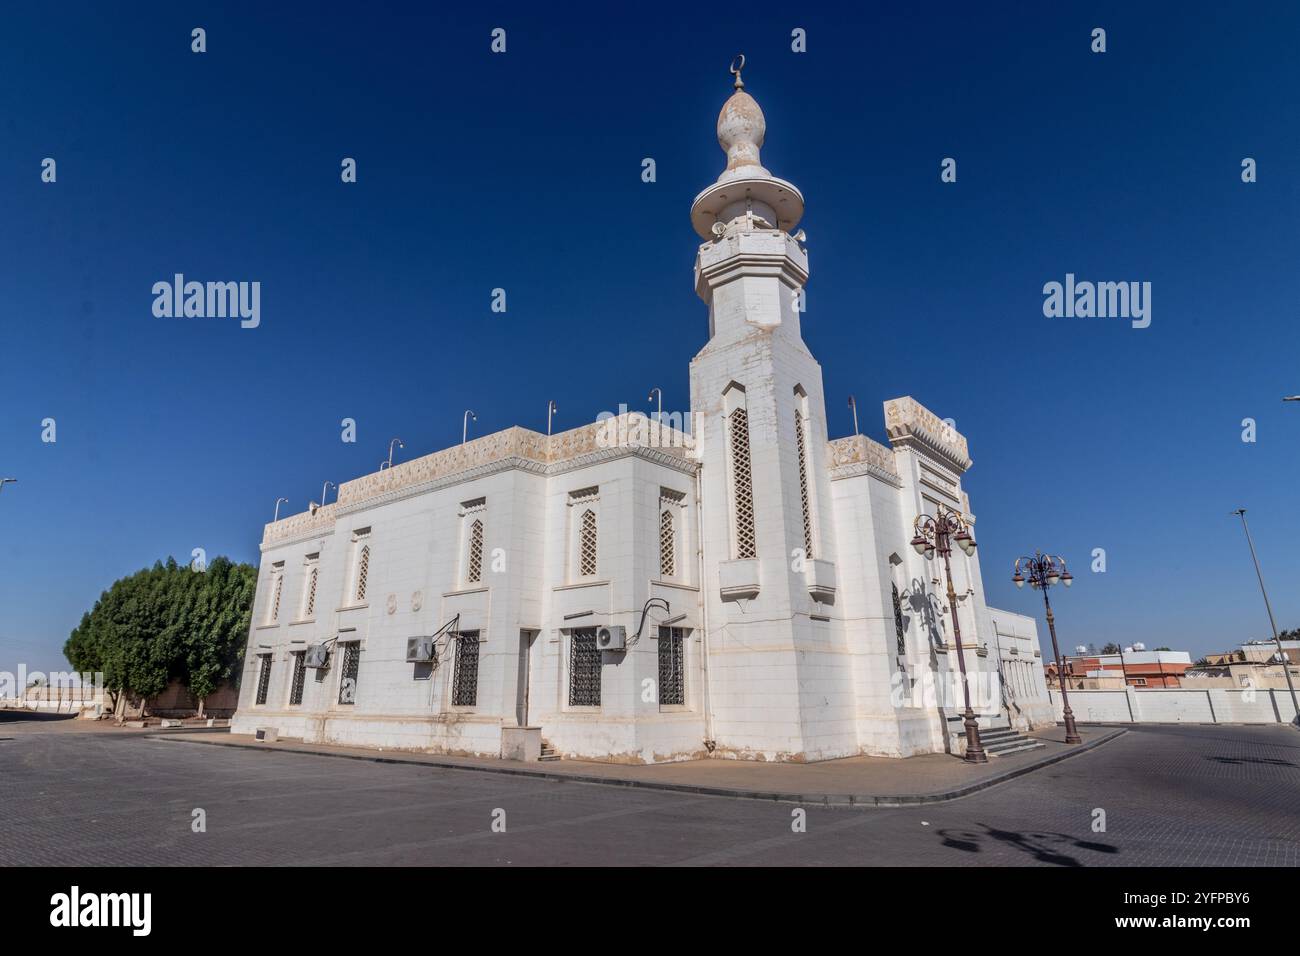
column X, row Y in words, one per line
column 777, row 552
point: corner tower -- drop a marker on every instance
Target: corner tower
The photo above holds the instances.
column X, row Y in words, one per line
column 779, row 683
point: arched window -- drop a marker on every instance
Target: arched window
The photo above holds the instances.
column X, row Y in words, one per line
column 742, row 489
column 475, row 565
column 801, row 445
column 310, row 608
column 667, row 545
column 898, row 620
column 363, row 572
column 587, row 544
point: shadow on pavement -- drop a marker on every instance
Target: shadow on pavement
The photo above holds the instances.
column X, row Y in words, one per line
column 1043, row 847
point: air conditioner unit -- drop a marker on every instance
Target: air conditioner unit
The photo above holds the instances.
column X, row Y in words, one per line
column 611, row 638
column 318, row 655
column 420, row 649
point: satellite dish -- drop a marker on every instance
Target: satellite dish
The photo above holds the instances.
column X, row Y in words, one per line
column 1139, row 646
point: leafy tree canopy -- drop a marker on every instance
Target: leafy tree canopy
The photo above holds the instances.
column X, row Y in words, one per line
column 167, row 622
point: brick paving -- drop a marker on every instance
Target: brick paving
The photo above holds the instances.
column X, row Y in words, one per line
column 1178, row 795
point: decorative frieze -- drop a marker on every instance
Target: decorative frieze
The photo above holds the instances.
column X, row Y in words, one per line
column 631, row 432
column 858, row 454
column 909, row 423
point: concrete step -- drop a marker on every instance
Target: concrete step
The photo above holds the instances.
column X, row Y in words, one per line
column 1006, row 751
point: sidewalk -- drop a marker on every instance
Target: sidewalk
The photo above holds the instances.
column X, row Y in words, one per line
column 852, row 781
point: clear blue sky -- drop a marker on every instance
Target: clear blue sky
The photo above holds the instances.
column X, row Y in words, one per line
column 522, row 171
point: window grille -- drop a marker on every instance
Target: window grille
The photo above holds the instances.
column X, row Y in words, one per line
column 348, row 675
column 898, row 620
column 363, row 572
column 275, row 600
column 310, row 608
column 464, row 692
column 667, row 546
column 584, row 669
column 801, row 444
column 742, row 490
column 672, row 659
column 299, row 677
column 475, row 572
column 263, row 678
column 587, row 544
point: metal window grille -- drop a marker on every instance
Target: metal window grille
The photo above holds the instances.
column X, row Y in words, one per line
column 587, row 544
column 310, row 609
column 672, row 661
column 263, row 678
column 742, row 490
column 898, row 620
column 363, row 572
column 584, row 669
column 667, row 546
column 464, row 688
column 299, row 677
column 348, row 676
column 801, row 444
column 475, row 573
column 275, row 601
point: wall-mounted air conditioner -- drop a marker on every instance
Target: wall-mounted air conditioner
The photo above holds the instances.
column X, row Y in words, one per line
column 420, row 650
column 611, row 638
column 318, row 655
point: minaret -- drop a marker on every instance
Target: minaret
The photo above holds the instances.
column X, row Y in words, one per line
column 779, row 684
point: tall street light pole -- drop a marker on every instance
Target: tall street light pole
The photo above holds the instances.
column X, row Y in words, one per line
column 937, row 533
column 1286, row 670
column 1045, row 571
column 464, row 425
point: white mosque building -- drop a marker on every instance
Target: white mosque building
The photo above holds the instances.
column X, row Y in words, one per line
column 632, row 592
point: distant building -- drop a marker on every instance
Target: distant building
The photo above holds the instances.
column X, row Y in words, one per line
column 1253, row 664
column 1112, row 671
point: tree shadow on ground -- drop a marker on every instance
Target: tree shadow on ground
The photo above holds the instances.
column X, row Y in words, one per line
column 22, row 716
column 1043, row 847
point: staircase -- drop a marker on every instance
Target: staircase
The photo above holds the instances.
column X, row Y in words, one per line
column 1006, row 741
column 548, row 752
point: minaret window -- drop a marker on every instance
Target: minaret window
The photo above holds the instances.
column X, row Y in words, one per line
column 898, row 620
column 801, row 445
column 741, row 486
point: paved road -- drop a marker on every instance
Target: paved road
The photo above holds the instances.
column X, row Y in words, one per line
column 1181, row 796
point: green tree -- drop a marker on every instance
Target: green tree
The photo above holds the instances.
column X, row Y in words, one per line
column 167, row 623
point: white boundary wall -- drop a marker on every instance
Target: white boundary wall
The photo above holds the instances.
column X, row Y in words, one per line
column 1175, row 705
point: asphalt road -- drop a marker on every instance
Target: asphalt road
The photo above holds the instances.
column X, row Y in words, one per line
column 1171, row 796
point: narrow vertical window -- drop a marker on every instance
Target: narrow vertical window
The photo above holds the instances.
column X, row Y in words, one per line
column 263, row 677
column 363, row 572
column 464, row 691
column 801, row 445
column 667, row 545
column 587, row 544
column 299, row 677
column 474, row 572
column 584, row 669
column 311, row 565
column 672, row 681
column 741, row 488
column 277, row 589
column 898, row 620
column 348, row 676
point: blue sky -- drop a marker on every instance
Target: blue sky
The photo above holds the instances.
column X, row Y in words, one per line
column 522, row 171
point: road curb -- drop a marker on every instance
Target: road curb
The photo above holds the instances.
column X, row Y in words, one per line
column 822, row 799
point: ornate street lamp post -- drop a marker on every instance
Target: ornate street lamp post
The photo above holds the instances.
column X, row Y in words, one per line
column 1046, row 570
column 936, row 534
